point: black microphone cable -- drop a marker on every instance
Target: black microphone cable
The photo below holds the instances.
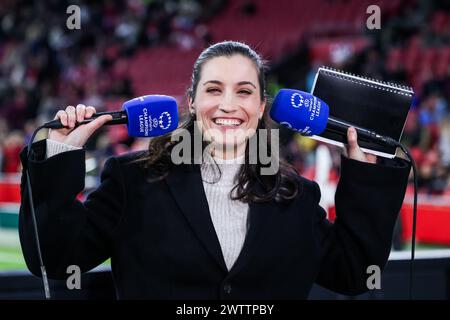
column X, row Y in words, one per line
column 33, row 217
column 414, row 223
column 392, row 142
column 386, row 140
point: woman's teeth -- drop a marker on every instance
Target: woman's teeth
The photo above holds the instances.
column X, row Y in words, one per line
column 227, row 122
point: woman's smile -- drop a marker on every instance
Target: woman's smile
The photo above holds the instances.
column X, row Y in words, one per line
column 226, row 123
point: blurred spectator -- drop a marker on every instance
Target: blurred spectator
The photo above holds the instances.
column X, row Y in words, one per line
column 11, row 148
column 433, row 110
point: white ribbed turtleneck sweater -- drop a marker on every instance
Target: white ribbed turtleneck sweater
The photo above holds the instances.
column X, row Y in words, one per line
column 229, row 217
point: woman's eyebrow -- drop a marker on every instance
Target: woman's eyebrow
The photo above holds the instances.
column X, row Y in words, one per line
column 246, row 82
column 220, row 83
column 212, row 81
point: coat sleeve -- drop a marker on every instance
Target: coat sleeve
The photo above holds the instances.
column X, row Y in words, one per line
column 368, row 199
column 71, row 232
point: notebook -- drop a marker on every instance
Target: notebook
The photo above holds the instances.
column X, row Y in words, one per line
column 367, row 103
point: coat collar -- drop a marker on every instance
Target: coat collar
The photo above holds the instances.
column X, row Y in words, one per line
column 186, row 186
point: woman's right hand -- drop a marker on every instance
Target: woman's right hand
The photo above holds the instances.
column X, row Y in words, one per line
column 69, row 117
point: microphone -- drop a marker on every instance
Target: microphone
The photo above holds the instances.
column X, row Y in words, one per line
column 302, row 112
column 145, row 116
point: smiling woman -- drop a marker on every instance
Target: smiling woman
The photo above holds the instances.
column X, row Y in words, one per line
column 229, row 103
column 215, row 230
column 227, row 100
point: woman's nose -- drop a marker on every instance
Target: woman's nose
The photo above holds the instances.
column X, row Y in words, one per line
column 228, row 104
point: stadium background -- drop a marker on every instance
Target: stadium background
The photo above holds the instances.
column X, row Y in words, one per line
column 129, row 48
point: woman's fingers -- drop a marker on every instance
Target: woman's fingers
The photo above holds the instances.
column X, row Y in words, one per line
column 371, row 158
column 71, row 115
column 97, row 123
column 62, row 116
column 353, row 149
column 90, row 110
column 80, row 112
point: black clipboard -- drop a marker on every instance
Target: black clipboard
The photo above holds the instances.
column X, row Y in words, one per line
column 367, row 103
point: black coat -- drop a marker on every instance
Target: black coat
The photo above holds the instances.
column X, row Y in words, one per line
column 162, row 242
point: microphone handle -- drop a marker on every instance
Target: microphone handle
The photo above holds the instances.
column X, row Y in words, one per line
column 341, row 127
column 119, row 117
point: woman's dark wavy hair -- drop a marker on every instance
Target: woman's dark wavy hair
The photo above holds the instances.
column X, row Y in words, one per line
column 251, row 185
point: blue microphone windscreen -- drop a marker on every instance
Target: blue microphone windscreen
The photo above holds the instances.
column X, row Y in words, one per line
column 300, row 111
column 151, row 115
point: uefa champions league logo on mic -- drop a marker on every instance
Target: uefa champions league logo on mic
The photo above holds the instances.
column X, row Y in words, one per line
column 300, row 100
column 165, row 120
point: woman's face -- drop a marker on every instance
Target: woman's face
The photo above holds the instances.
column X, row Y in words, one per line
column 228, row 102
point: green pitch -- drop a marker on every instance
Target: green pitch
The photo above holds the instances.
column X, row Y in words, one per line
column 11, row 258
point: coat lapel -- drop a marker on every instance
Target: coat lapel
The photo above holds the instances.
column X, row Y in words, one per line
column 186, row 186
column 260, row 221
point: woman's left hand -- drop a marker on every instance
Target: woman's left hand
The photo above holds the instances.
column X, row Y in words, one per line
column 353, row 151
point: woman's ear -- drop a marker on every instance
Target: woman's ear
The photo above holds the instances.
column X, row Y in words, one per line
column 262, row 107
column 191, row 106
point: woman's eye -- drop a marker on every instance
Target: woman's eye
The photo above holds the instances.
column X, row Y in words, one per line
column 245, row 92
column 213, row 90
